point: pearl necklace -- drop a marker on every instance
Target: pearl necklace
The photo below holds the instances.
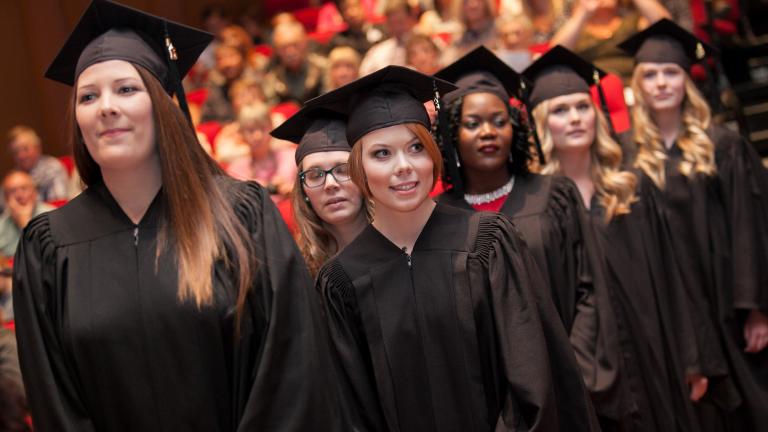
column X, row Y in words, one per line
column 477, row 199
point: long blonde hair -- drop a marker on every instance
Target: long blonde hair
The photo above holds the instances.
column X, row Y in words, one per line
column 615, row 187
column 697, row 148
column 316, row 243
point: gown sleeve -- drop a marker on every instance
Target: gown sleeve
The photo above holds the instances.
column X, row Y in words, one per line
column 593, row 332
column 569, row 252
column 544, row 390
column 52, row 390
column 283, row 342
column 358, row 396
column 743, row 179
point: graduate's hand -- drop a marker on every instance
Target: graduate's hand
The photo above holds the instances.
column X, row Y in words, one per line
column 698, row 385
column 756, row 331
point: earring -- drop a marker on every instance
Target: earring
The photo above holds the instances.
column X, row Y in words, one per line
column 456, row 156
column 306, row 198
column 510, row 158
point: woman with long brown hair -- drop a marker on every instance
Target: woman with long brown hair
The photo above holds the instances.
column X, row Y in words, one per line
column 167, row 295
column 657, row 352
column 328, row 208
column 713, row 188
column 438, row 317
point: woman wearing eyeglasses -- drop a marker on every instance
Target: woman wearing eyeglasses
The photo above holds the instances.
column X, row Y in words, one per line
column 328, row 208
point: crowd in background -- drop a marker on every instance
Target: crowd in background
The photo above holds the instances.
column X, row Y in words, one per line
column 259, row 71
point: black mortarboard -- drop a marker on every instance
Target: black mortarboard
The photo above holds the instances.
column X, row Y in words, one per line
column 110, row 31
column 314, row 130
column 391, row 96
column 560, row 72
column 480, row 71
column 667, row 42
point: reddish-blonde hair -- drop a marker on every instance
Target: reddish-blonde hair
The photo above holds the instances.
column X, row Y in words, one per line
column 357, row 172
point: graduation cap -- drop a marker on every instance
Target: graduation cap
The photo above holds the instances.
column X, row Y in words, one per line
column 667, row 42
column 561, row 72
column 390, row 96
column 480, row 71
column 111, row 31
column 314, row 130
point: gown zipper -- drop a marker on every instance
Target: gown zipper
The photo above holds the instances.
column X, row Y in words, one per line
column 407, row 256
column 136, row 235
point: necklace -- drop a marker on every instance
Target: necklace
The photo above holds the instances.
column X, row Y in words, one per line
column 476, row 199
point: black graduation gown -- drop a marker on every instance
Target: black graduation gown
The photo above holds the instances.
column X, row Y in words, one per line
column 458, row 336
column 550, row 216
column 105, row 345
column 719, row 223
column 546, row 211
column 655, row 312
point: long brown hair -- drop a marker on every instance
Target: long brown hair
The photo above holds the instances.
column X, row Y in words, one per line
column 199, row 222
column 615, row 187
column 357, row 172
column 697, row 148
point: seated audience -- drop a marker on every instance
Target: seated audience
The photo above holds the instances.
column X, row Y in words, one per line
column 343, row 67
column 515, row 38
column 360, row 35
column 21, row 205
column 48, row 173
column 272, row 168
column 231, row 65
column 237, row 36
column 400, row 22
column 13, row 404
column 296, row 74
column 422, row 54
column 477, row 18
column 596, row 27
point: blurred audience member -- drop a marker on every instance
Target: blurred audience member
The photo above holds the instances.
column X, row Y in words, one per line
column 283, row 18
column 295, row 74
column 13, row 404
column 343, row 66
column 214, row 18
column 422, row 54
column 251, row 20
column 231, row 65
column 400, row 21
column 478, row 20
column 438, row 19
column 48, row 173
column 360, row 34
column 597, row 26
column 21, row 205
column 236, row 35
column 515, row 38
column 274, row 169
column 228, row 143
column 6, row 297
column 245, row 91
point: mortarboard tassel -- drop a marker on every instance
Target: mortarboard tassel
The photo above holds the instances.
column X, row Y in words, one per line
column 450, row 154
column 604, row 104
column 174, row 73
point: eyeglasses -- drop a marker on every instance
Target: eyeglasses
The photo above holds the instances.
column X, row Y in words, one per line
column 315, row 177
